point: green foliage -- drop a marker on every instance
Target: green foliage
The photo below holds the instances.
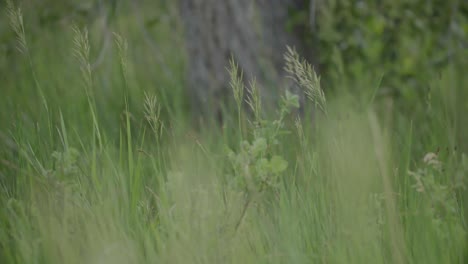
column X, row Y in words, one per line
column 256, row 167
column 440, row 198
column 99, row 164
column 66, row 161
column 407, row 42
column 254, row 171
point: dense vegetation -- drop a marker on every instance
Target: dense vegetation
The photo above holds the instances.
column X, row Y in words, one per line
column 100, row 163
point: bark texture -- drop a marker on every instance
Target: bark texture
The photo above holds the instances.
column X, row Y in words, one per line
column 253, row 32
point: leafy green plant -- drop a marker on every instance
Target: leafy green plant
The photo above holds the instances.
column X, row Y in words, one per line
column 256, row 166
column 441, row 202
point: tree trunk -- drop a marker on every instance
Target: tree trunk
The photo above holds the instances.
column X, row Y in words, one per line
column 253, row 32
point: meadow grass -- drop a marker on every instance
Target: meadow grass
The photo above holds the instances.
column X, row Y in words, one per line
column 103, row 166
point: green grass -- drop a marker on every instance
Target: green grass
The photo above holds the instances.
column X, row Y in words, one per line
column 102, row 165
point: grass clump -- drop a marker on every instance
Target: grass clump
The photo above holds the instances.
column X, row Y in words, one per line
column 134, row 183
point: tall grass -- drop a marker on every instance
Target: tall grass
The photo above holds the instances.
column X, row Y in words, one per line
column 88, row 181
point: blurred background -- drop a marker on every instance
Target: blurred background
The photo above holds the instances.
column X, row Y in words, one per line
column 180, row 49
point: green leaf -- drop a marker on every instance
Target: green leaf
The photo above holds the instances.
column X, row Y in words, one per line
column 262, row 166
column 278, row 164
column 290, row 100
column 258, row 146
